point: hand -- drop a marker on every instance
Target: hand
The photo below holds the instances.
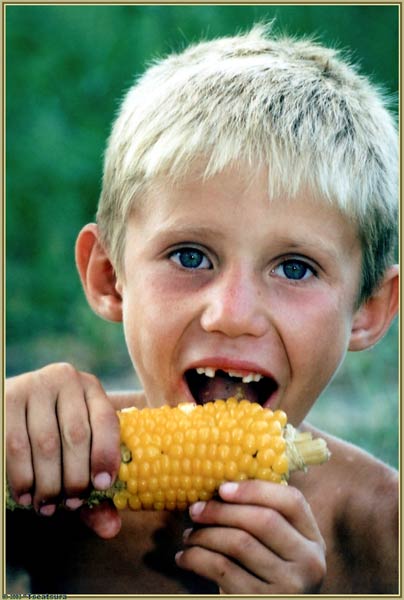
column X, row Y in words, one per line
column 262, row 540
column 62, row 434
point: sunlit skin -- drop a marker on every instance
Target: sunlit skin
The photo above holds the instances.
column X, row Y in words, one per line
column 217, row 274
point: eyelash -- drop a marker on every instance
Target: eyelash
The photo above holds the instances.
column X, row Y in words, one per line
column 308, row 270
column 191, row 251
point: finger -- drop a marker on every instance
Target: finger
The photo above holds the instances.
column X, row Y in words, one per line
column 239, row 545
column 104, row 520
column 229, row 576
column 20, row 474
column 286, row 500
column 265, row 524
column 75, row 433
column 270, row 573
column 46, row 450
column 105, row 449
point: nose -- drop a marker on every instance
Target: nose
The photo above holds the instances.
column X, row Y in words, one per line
column 235, row 306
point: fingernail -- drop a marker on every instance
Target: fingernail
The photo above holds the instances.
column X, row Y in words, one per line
column 229, row 488
column 25, row 499
column 102, row 481
column 47, row 510
column 73, row 503
column 196, row 509
column 186, row 534
column 178, row 555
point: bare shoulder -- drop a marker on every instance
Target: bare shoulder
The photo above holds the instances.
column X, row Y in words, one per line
column 363, row 496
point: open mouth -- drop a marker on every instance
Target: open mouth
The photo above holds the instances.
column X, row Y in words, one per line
column 207, row 384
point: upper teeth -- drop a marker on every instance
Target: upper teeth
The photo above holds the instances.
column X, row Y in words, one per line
column 210, row 372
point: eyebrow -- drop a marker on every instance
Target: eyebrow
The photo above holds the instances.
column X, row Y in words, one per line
column 180, row 231
column 304, row 245
column 298, row 244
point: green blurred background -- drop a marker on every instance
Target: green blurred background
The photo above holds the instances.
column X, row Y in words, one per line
column 67, row 67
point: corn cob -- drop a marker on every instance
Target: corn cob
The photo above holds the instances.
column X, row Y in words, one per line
column 172, row 457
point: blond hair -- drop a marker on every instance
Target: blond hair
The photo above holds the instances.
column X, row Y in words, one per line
column 291, row 105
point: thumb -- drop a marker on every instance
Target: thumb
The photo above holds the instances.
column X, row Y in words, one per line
column 103, row 519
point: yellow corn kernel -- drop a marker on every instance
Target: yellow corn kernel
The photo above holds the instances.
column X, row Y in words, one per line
column 185, row 482
column 134, row 503
column 210, row 484
column 171, row 495
column 206, row 467
column 266, row 457
column 123, row 472
column 280, row 416
column 121, row 500
column 192, row 496
column 245, row 463
column 164, row 482
column 224, row 452
column 153, row 484
column 249, row 443
column 230, row 470
column 218, row 469
column 280, row 465
column 176, row 456
column 175, row 482
column 189, row 449
column 275, row 428
column 197, row 482
column 186, row 466
column 144, row 469
column 142, row 485
column 132, row 486
column 181, row 496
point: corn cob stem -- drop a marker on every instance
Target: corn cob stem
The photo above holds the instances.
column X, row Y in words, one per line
column 172, row 457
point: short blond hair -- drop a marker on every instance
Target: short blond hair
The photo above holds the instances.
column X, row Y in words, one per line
column 292, row 105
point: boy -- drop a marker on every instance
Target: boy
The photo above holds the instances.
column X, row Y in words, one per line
column 246, row 225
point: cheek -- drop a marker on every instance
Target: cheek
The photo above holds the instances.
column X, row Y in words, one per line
column 318, row 332
column 316, row 341
column 151, row 327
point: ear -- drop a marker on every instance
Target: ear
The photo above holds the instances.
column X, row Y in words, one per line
column 374, row 317
column 97, row 274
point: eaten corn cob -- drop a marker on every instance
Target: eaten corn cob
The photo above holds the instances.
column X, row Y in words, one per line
column 172, row 457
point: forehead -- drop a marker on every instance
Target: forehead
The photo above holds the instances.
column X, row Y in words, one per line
column 238, row 199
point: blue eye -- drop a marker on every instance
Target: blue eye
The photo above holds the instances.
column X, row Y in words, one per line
column 191, row 258
column 294, row 269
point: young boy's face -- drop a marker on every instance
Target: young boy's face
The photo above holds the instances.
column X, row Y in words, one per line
column 220, row 279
